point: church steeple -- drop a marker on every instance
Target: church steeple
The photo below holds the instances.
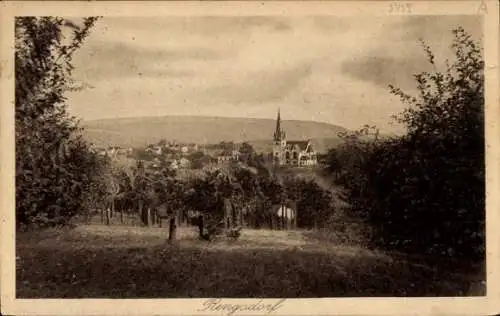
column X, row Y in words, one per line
column 278, row 131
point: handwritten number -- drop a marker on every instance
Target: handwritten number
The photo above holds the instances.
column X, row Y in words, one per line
column 400, row 8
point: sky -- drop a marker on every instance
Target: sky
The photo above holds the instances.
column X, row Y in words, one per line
column 321, row 68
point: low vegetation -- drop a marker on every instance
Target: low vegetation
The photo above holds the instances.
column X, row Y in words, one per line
column 123, row 262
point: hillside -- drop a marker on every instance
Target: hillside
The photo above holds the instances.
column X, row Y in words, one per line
column 139, row 131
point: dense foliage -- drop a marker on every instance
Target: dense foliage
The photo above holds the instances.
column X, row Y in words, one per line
column 54, row 167
column 251, row 186
column 425, row 191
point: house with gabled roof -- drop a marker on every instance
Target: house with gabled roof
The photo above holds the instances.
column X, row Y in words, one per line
column 226, row 156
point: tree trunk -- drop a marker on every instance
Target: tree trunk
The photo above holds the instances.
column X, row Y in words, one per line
column 141, row 213
column 102, row 215
column 107, row 216
column 121, row 216
column 240, row 217
column 227, row 214
column 148, row 217
column 294, row 220
column 283, row 217
column 172, row 230
column 278, row 219
column 232, row 212
column 200, row 226
column 180, row 215
column 112, row 207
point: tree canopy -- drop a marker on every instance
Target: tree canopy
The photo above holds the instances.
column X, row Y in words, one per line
column 54, row 167
column 425, row 191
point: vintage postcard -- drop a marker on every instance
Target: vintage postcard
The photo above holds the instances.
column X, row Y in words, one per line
column 250, row 158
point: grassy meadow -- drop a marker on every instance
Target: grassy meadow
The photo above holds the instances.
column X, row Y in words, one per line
column 97, row 261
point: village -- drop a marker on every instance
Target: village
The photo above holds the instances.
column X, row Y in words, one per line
column 176, row 155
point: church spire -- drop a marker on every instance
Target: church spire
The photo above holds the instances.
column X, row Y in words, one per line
column 277, row 132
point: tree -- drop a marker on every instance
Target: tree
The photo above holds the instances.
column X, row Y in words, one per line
column 332, row 162
column 96, row 191
column 54, row 166
column 424, row 192
column 247, row 153
column 142, row 154
column 141, row 191
column 226, row 146
column 251, row 195
column 117, row 187
column 162, row 142
column 197, row 159
column 446, row 127
column 314, row 205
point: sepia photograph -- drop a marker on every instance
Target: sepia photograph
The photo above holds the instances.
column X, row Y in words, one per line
column 249, row 156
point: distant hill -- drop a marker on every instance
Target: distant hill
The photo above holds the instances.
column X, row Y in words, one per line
column 140, row 131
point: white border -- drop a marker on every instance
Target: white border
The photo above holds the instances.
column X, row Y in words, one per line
column 323, row 306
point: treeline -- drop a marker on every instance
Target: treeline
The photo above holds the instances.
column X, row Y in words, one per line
column 258, row 194
column 424, row 192
column 253, row 188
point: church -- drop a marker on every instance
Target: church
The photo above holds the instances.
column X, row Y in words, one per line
column 292, row 153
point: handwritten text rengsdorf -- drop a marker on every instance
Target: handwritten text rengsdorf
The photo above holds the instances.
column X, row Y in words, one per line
column 218, row 305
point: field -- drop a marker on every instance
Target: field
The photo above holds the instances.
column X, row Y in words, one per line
column 97, row 261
